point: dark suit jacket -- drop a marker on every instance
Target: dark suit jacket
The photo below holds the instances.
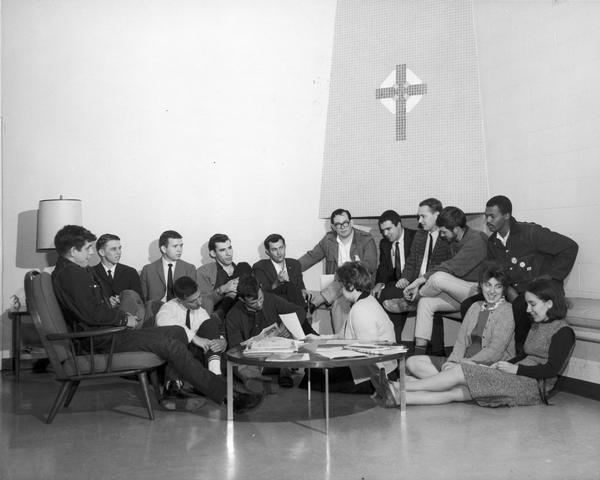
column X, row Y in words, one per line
column 385, row 270
column 265, row 273
column 441, row 253
column 154, row 283
column 124, row 278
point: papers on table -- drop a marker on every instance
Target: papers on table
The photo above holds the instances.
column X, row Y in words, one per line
column 341, row 353
column 291, row 322
column 270, row 345
column 288, row 357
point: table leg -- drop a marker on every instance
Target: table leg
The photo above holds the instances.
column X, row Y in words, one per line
column 229, row 391
column 309, row 384
column 327, row 401
column 16, row 325
column 402, row 382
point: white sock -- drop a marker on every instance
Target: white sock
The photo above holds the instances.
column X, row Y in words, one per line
column 214, row 365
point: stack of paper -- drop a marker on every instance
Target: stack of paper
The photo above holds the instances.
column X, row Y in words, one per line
column 270, row 345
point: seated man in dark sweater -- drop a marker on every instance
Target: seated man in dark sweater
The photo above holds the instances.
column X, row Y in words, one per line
column 85, row 308
column 254, row 311
column 218, row 280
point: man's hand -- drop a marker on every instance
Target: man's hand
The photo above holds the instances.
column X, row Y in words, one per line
column 203, row 343
column 228, row 288
column 377, row 289
column 115, row 301
column 411, row 291
column 402, row 283
column 448, row 365
column 132, row 320
column 218, row 345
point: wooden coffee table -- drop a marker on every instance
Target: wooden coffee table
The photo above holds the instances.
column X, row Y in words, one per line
column 235, row 356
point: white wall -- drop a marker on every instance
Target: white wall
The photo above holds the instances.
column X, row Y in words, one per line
column 202, row 117
column 540, row 71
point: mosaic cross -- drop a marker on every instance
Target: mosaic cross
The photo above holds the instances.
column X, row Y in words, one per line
column 400, row 92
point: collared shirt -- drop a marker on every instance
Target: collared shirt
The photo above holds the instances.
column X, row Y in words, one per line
column 344, row 250
column 279, row 267
column 503, row 239
column 110, row 269
column 430, row 236
column 165, row 264
column 399, row 244
column 174, row 313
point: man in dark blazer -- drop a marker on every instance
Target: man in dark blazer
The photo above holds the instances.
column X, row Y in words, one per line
column 115, row 277
column 158, row 277
column 279, row 275
column 394, row 250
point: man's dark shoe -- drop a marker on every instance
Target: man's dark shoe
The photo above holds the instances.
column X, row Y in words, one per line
column 399, row 305
column 244, row 402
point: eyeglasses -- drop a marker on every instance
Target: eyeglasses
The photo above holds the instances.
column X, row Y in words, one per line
column 341, row 226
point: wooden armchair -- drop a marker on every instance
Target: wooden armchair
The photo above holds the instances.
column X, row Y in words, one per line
column 71, row 366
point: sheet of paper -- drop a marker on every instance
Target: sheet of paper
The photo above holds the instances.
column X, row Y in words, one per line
column 341, row 354
column 291, row 322
column 289, row 357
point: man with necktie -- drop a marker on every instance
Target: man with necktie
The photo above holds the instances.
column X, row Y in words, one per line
column 201, row 329
column 394, row 250
column 158, row 277
column 120, row 283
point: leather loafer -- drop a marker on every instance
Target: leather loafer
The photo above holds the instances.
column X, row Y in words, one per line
column 399, row 305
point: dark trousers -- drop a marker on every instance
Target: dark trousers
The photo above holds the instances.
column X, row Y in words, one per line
column 522, row 319
column 389, row 292
column 208, row 329
column 171, row 344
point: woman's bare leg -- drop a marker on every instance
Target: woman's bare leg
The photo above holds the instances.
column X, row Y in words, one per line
column 457, row 394
column 420, row 366
column 443, row 381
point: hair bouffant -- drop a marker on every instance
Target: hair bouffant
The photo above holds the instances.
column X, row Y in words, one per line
column 355, row 276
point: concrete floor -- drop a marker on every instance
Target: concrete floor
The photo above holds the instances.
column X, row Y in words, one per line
column 105, row 435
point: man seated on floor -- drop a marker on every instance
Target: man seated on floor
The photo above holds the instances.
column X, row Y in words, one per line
column 118, row 281
column 279, row 275
column 394, row 249
column 202, row 331
column 218, row 280
column 443, row 288
column 86, row 309
column 158, row 277
column 343, row 244
column 527, row 250
column 254, row 311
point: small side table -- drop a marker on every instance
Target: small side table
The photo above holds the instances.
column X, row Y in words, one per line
column 17, row 318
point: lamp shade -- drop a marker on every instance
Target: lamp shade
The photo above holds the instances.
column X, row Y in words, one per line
column 53, row 215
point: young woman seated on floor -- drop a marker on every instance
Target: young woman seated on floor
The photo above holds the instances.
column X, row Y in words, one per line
column 486, row 334
column 514, row 382
column 367, row 321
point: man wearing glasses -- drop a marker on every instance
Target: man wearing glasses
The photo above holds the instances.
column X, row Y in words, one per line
column 343, row 244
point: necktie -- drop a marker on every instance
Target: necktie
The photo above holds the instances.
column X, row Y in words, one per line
column 397, row 263
column 429, row 251
column 187, row 319
column 170, row 292
column 110, row 277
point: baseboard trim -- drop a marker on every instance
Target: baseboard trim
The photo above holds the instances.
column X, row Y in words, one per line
column 579, row 387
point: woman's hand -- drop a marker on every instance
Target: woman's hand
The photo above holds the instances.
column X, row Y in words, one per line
column 505, row 367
